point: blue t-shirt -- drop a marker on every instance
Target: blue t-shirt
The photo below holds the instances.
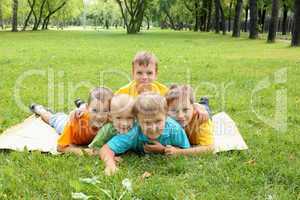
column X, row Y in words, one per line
column 173, row 134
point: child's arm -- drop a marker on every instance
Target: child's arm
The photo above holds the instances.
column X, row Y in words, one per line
column 156, row 147
column 108, row 156
column 170, row 150
column 77, row 150
column 201, row 111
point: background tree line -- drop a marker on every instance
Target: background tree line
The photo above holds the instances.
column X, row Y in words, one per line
column 220, row 16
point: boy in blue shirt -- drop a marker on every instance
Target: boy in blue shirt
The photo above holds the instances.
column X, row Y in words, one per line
column 153, row 127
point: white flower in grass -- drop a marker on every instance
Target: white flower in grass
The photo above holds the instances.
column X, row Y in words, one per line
column 80, row 195
column 94, row 180
column 127, row 185
column 270, row 197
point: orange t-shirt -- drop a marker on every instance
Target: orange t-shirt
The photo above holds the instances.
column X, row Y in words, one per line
column 78, row 132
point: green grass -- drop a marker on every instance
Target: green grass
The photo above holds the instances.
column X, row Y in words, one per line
column 207, row 61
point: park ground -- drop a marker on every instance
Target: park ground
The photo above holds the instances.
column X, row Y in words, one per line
column 242, row 77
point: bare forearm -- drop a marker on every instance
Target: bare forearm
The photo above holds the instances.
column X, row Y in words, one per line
column 108, row 156
column 195, row 150
column 70, row 149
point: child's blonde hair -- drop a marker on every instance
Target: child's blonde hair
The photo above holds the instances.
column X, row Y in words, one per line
column 150, row 103
column 100, row 93
column 181, row 93
column 144, row 58
column 121, row 102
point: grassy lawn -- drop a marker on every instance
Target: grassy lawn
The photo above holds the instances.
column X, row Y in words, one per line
column 227, row 70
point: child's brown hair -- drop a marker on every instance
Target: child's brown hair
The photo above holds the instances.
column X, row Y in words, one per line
column 180, row 92
column 150, row 103
column 100, row 93
column 144, row 58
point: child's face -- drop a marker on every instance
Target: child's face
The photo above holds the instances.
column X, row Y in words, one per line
column 98, row 113
column 181, row 111
column 122, row 121
column 152, row 125
column 143, row 74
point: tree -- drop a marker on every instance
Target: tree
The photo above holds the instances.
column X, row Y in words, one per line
column 253, row 19
column 229, row 16
column 287, row 5
column 246, row 18
column 166, row 7
column 132, row 13
column 296, row 31
column 1, row 17
column 31, row 6
column 237, row 19
column 52, row 8
column 223, row 21
column 38, row 18
column 208, row 25
column 284, row 20
column 195, row 10
column 274, row 21
column 15, row 16
column 217, row 16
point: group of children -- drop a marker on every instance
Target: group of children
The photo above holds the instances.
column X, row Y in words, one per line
column 143, row 116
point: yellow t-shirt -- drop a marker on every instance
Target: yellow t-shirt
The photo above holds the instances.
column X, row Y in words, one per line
column 132, row 89
column 77, row 132
column 199, row 134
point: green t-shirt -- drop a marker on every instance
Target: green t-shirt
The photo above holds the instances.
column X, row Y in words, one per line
column 103, row 136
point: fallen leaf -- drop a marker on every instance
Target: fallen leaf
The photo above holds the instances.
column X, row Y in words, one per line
column 146, row 175
column 251, row 162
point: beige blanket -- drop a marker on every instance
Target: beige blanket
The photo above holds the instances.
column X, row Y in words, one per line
column 34, row 134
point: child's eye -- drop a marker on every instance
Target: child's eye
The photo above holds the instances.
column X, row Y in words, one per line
column 185, row 110
column 94, row 110
column 173, row 111
column 149, row 73
column 118, row 117
column 139, row 73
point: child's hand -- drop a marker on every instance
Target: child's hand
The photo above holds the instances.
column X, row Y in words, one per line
column 77, row 113
column 154, row 148
column 202, row 114
column 118, row 159
column 170, row 150
column 110, row 170
column 143, row 88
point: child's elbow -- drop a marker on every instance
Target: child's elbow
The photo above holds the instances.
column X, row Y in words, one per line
column 60, row 148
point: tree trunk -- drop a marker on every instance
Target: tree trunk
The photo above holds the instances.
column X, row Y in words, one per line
column 296, row 29
column 50, row 13
column 132, row 14
column 29, row 14
column 171, row 20
column 237, row 19
column 229, row 16
column 39, row 19
column 204, row 15
column 197, row 16
column 253, row 19
column 246, row 18
column 148, row 22
column 263, row 17
column 1, row 17
column 217, row 16
column 223, row 22
column 284, row 20
column 15, row 16
column 274, row 21
column 208, row 26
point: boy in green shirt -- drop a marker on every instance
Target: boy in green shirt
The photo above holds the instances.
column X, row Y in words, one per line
column 122, row 120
